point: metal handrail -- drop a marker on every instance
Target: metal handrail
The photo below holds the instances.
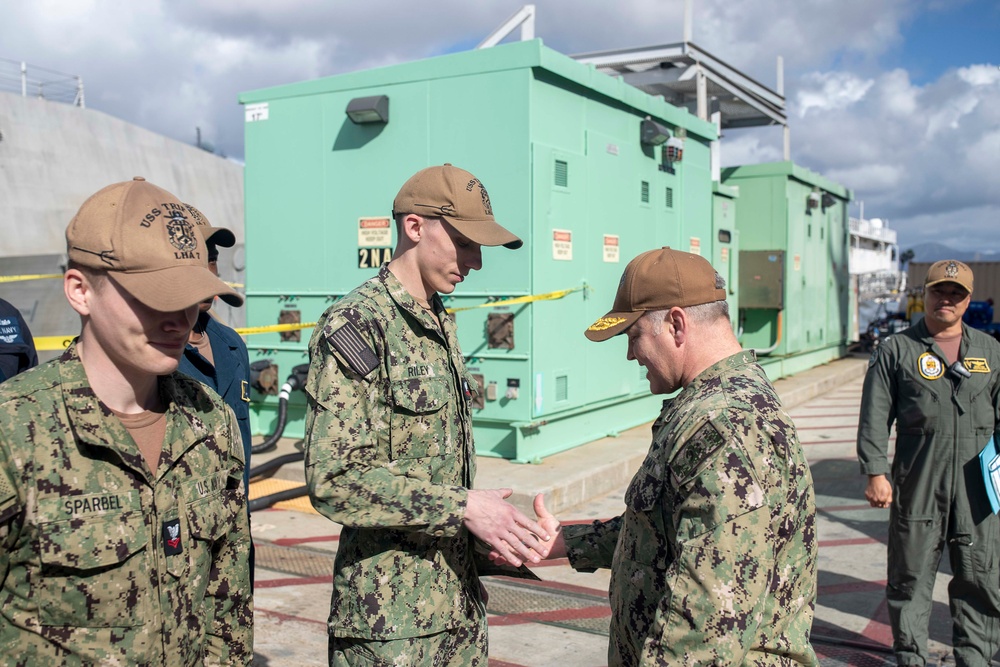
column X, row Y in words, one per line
column 42, row 82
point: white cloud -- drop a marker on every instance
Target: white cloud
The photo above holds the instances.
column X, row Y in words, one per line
column 922, row 155
column 825, row 91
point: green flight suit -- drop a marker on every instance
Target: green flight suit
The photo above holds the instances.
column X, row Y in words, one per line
column 101, row 561
column 939, row 497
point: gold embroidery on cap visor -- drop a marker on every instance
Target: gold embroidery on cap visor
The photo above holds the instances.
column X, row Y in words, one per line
column 606, row 323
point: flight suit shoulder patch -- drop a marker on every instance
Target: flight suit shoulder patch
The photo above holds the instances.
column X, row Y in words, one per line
column 352, row 347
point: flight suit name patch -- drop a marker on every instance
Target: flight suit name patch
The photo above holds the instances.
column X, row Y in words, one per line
column 931, row 368
column 976, row 365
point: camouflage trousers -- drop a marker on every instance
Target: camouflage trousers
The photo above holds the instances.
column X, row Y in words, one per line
column 466, row 646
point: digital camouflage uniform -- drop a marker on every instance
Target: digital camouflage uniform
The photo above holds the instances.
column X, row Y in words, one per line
column 389, row 455
column 938, row 491
column 714, row 560
column 102, row 564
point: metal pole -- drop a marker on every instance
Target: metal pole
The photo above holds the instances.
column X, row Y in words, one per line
column 701, row 84
column 79, row 93
column 24, row 79
column 687, row 21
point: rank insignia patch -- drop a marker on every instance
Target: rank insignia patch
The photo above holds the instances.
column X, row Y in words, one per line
column 930, row 366
column 348, row 341
column 976, row 365
column 172, row 537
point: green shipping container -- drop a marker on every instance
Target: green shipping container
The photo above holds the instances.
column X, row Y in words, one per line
column 561, row 149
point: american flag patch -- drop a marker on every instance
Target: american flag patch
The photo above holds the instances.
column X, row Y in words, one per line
column 348, row 341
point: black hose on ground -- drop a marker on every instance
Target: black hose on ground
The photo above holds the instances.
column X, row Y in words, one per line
column 275, row 463
column 264, row 502
column 295, row 381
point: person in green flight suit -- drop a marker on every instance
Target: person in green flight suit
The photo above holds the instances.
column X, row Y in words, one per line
column 938, row 382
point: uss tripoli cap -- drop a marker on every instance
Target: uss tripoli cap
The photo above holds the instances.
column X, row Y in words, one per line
column 657, row 280
column 457, row 197
column 949, row 271
column 145, row 239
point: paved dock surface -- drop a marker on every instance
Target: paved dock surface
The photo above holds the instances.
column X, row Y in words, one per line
column 566, row 616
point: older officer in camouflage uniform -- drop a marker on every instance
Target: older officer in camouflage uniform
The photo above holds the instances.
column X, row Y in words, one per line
column 939, row 382
column 389, row 451
column 714, row 560
column 123, row 526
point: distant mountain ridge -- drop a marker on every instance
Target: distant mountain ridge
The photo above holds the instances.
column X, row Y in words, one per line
column 933, row 252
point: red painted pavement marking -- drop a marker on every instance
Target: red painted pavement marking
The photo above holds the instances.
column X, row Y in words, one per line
column 850, row 441
column 852, row 587
column 555, row 615
column 854, row 542
column 285, row 617
column 559, row 586
column 878, row 629
column 502, row 663
column 292, row 581
column 292, row 541
column 830, row 509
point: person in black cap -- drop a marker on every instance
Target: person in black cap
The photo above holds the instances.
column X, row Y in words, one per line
column 215, row 354
column 17, row 347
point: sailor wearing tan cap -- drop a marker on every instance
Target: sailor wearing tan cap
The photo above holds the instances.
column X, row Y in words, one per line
column 389, row 450
column 714, row 560
column 123, row 528
column 938, row 382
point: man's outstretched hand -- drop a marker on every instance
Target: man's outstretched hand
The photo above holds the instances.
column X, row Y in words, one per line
column 504, row 528
column 555, row 546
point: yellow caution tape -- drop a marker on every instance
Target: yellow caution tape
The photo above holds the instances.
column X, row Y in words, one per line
column 550, row 296
column 47, row 276
column 274, row 328
column 50, row 343
column 37, row 276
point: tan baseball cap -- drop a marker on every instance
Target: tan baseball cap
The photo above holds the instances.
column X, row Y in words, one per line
column 220, row 236
column 655, row 280
column 949, row 271
column 457, row 197
column 143, row 237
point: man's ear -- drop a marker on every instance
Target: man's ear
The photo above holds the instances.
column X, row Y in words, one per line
column 78, row 291
column 413, row 227
column 678, row 323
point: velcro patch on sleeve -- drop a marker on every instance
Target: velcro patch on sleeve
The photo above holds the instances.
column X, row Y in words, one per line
column 7, row 491
column 348, row 342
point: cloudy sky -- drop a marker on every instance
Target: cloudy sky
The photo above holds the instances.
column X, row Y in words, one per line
column 898, row 100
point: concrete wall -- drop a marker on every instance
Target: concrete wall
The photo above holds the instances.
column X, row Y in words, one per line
column 53, row 156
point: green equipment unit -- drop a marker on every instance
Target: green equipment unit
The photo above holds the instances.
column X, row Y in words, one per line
column 586, row 169
column 794, row 300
